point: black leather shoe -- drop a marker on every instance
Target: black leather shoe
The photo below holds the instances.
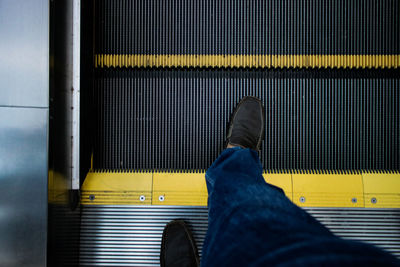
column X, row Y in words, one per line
column 178, row 247
column 246, row 126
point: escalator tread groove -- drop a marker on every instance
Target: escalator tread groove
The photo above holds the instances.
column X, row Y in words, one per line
column 315, row 122
column 334, row 27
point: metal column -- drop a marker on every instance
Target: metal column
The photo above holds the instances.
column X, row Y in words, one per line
column 24, row 109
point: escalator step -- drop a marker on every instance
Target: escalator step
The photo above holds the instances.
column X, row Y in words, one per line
column 175, row 120
column 244, row 28
column 131, row 235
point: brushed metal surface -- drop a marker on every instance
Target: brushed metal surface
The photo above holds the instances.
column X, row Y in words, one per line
column 23, row 186
column 76, row 71
column 24, row 53
column 131, row 235
column 60, row 124
column 64, row 216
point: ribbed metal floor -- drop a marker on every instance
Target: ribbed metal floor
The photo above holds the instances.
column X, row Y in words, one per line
column 322, row 120
column 131, row 235
column 247, row 27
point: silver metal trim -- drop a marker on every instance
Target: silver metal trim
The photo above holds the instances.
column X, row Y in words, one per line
column 76, row 50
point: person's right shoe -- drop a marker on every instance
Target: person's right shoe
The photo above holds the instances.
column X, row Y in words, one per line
column 246, row 126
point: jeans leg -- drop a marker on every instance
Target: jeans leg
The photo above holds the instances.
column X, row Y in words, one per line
column 254, row 223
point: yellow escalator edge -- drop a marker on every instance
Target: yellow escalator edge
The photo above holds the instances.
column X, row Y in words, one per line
column 372, row 189
column 256, row 61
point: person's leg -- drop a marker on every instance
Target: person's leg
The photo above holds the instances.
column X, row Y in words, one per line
column 253, row 223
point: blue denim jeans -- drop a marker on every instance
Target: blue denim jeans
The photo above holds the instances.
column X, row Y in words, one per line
column 252, row 223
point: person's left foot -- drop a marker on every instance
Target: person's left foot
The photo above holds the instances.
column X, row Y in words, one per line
column 178, row 247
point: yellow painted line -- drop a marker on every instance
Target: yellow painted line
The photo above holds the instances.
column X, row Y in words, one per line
column 179, row 189
column 282, row 180
column 57, row 188
column 328, row 190
column 255, row 61
column 381, row 190
column 117, row 188
column 189, row 189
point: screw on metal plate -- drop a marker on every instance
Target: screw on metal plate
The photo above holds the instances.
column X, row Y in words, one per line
column 142, row 198
column 92, row 197
column 161, row 198
column 302, row 199
column 374, row 200
column 354, row 200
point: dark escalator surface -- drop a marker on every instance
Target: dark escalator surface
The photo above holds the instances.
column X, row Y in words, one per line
column 227, row 33
column 320, row 121
column 167, row 74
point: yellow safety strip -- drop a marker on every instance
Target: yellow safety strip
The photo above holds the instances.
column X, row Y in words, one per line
column 256, row 61
column 372, row 190
column 381, row 190
column 328, row 190
column 179, row 189
column 105, row 188
column 57, row 185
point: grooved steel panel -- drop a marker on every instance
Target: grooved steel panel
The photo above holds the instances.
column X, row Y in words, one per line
column 247, row 27
column 131, row 235
column 323, row 120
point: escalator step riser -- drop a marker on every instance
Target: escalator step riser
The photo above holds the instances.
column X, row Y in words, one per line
column 103, row 243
